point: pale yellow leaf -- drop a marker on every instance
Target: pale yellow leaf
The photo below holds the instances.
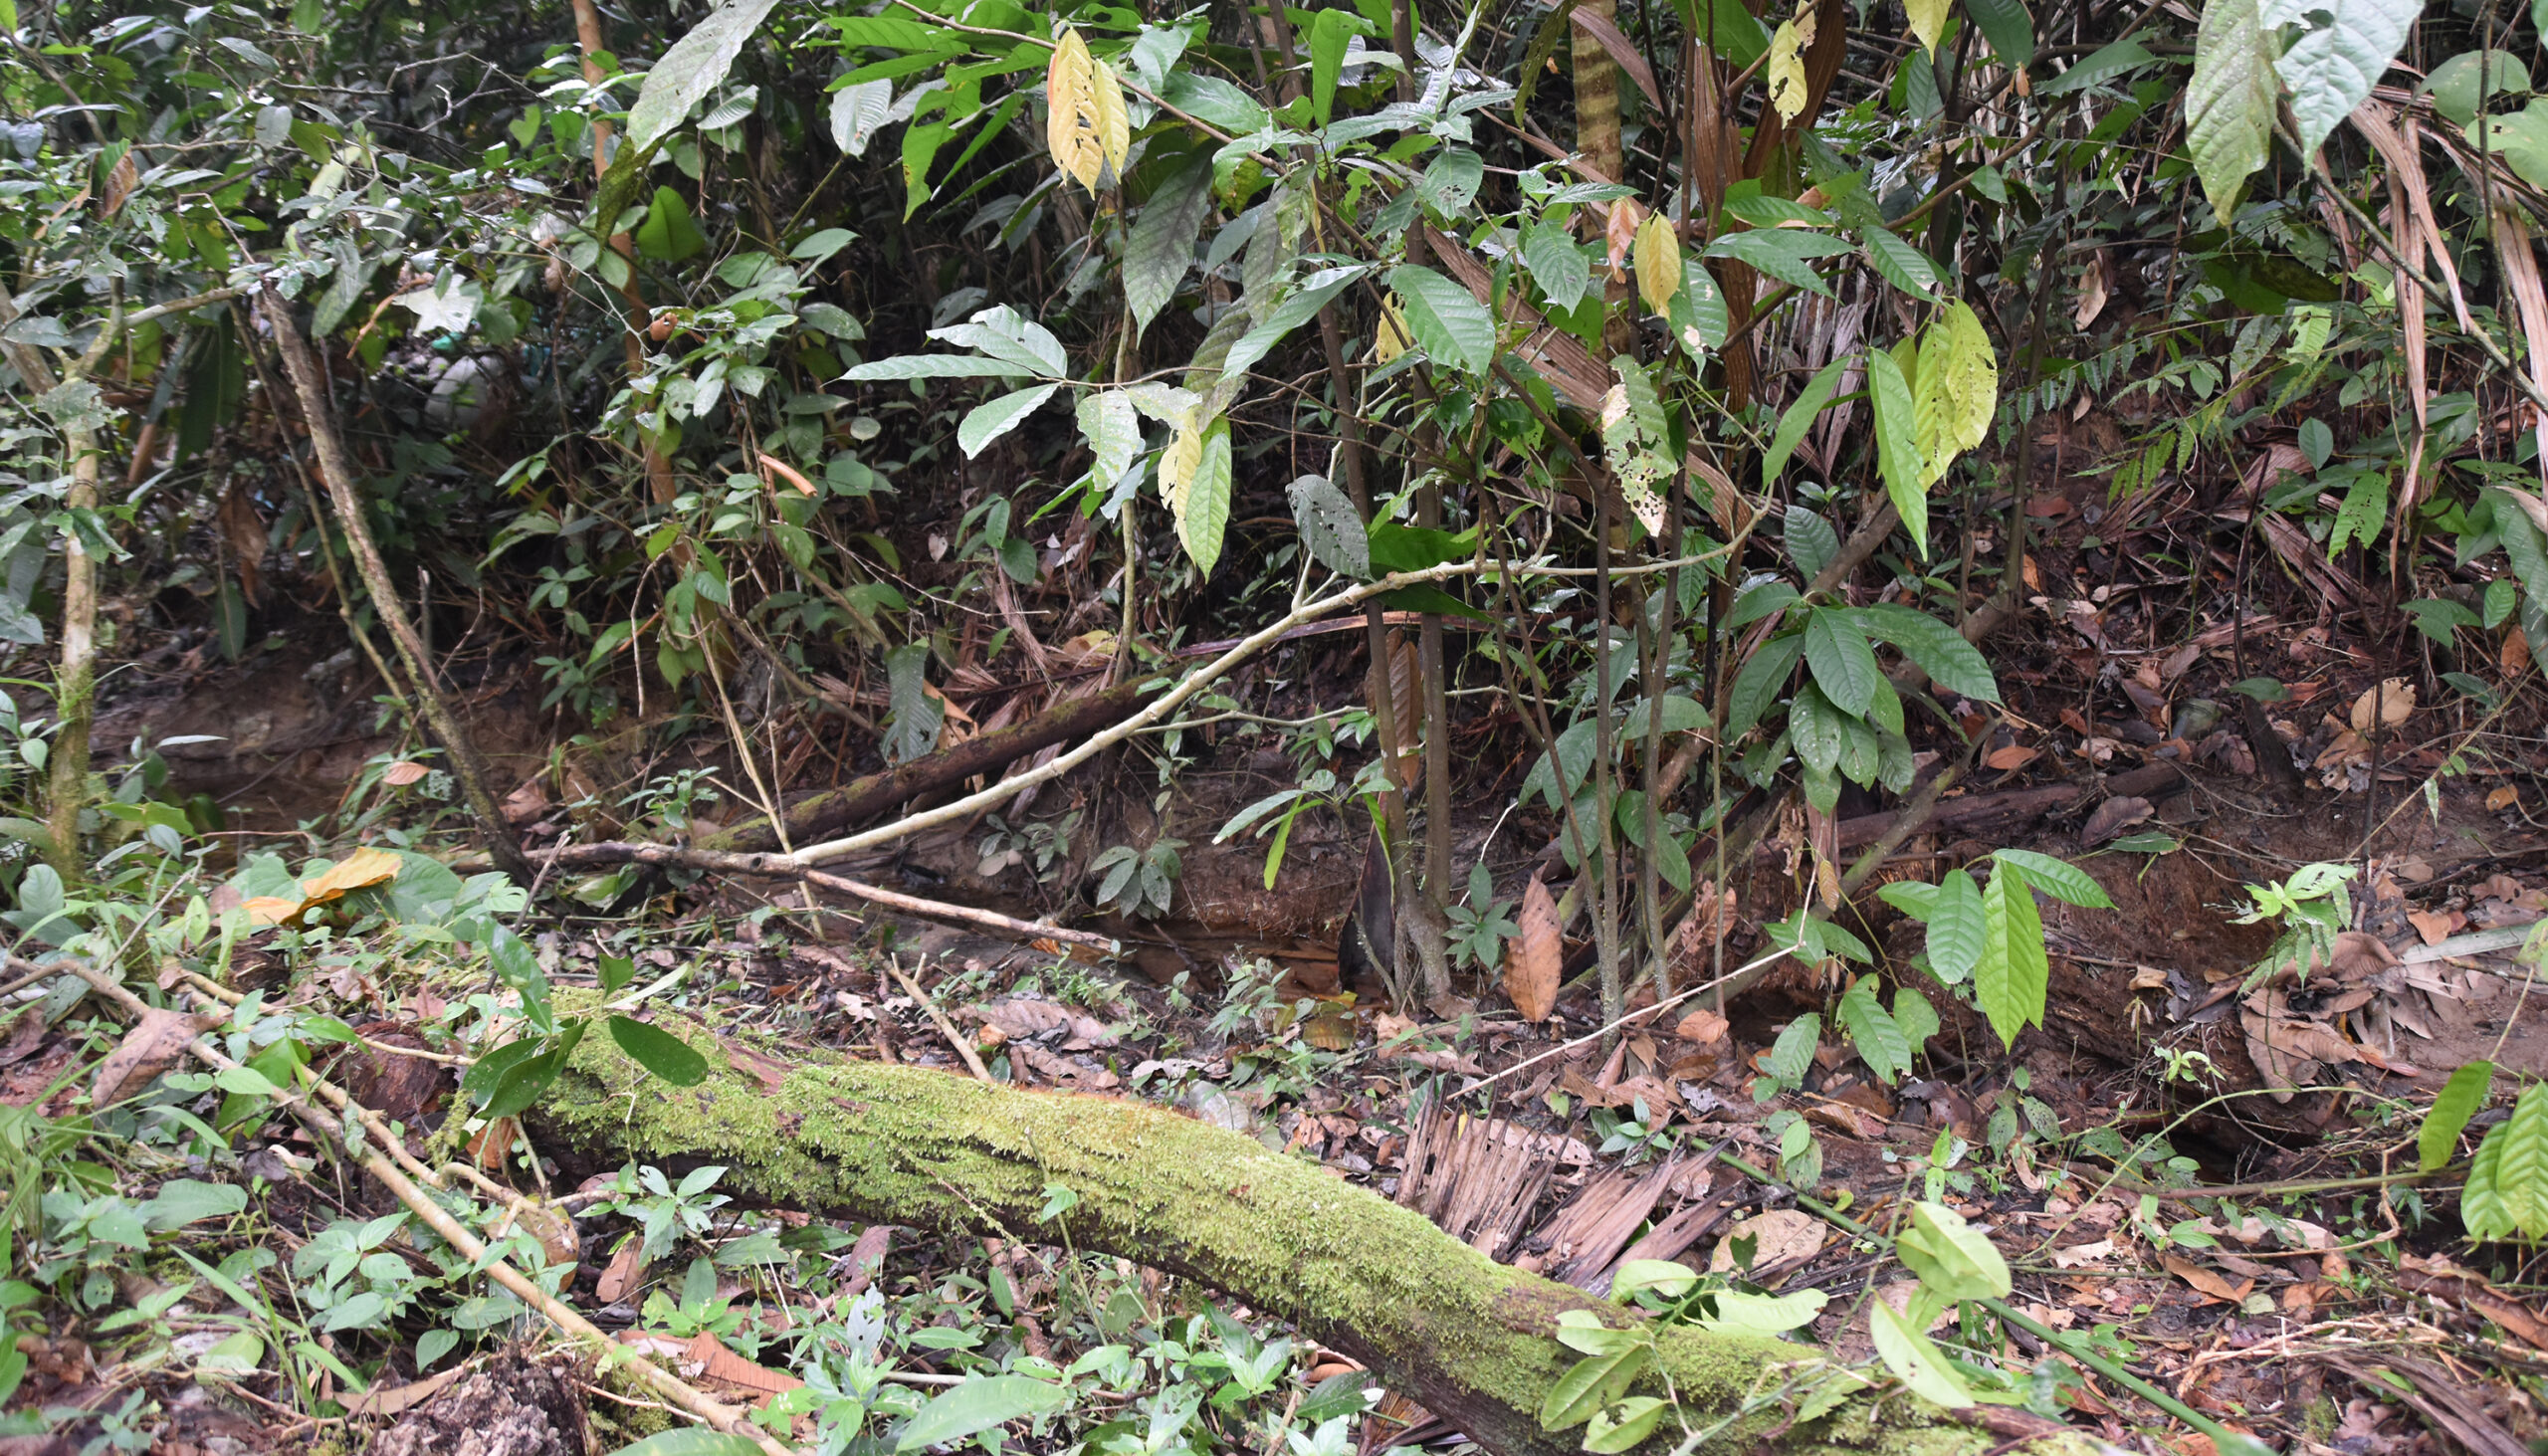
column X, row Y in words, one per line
column 1391, row 340
column 1787, row 69
column 1928, row 20
column 1085, row 126
column 1658, row 262
column 1957, row 389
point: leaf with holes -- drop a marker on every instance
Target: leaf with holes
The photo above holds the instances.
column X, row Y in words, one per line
column 1958, row 390
column 1788, row 87
column 1330, row 526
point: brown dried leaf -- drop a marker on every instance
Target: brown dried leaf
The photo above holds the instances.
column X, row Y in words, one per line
column 402, row 773
column 395, row 1398
column 1535, row 960
column 1019, row 1019
column 245, row 532
column 152, row 1047
column 2211, row 1286
column 724, row 1364
column 2011, row 756
column 626, row 1270
column 2433, row 925
column 1703, row 1026
column 2391, row 699
column 2111, row 818
column 1787, row 1235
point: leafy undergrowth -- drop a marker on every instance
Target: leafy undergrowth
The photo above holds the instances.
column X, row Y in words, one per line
column 191, row 1268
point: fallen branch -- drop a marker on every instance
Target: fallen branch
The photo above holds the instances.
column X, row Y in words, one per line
column 778, row 866
column 375, row 1152
column 2152, row 781
column 1469, row 1339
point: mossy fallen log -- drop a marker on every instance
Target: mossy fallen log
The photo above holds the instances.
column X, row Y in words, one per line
column 1469, row 1339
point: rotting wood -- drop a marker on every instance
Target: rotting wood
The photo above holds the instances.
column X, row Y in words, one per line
column 1469, row 1339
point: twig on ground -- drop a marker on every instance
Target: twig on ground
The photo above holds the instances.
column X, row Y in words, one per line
column 945, row 1028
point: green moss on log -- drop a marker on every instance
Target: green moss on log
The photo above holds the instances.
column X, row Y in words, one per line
column 1468, row 1337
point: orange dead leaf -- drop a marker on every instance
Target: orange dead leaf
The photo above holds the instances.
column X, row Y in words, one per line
column 2204, row 1281
column 2011, row 756
column 1534, row 959
column 2500, row 800
column 402, row 773
column 360, row 870
column 1702, row 1026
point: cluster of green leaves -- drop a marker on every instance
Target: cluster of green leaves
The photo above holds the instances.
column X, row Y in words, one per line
column 1986, row 941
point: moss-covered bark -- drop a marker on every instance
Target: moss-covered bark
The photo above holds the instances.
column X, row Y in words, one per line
column 1468, row 1337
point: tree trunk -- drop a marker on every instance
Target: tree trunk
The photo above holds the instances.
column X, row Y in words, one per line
column 75, row 696
column 1469, row 1339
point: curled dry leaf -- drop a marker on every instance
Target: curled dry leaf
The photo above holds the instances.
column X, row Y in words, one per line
column 1535, row 958
column 1703, row 1026
column 2392, row 700
column 402, row 773
column 152, row 1047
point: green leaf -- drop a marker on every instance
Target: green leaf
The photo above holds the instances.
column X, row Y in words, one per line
column 2007, row 27
column 2063, row 882
column 1844, row 665
column 1880, row 1043
column 1449, row 324
column 1330, row 36
column 691, row 69
column 1953, row 1260
column 1161, row 246
column 1957, row 934
column 1204, row 507
column 668, row 232
column 1113, row 429
column 1556, row 262
column 2484, row 1215
column 1903, row 266
column 985, row 423
column 1758, row 686
column 2229, row 102
column 2461, row 86
column 1915, row 1361
column 2521, row 1164
column 1738, row 1312
column 2334, row 63
column 913, row 732
column 1939, row 650
column 1786, row 254
column 1819, row 730
column 659, row 1052
column 1906, row 474
column 1298, row 308
column 1330, row 526
column 1917, row 1018
column 689, row 1442
column 1664, row 1277
column 978, row 1405
column 937, row 367
column 1791, row 1055
column 1589, row 1384
column 2452, row 1108
column 1811, row 540
column 1620, row 1427
column 1809, row 402
column 2011, row 975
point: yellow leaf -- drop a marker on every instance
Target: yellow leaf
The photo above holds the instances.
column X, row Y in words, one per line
column 360, row 870
column 270, row 910
column 1391, row 340
column 1787, row 67
column 1957, row 389
column 1086, row 125
column 1176, row 463
column 1928, row 20
column 1658, row 262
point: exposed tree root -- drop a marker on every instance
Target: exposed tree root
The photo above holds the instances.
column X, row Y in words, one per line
column 1468, row 1337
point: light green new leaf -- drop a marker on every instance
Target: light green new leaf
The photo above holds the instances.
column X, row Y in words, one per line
column 1880, row 1043
column 2452, row 1108
column 2332, row 67
column 1958, row 389
column 691, row 69
column 1113, row 427
column 1844, row 665
column 2520, row 1170
column 1952, row 1259
column 987, row 422
column 2482, row 1215
column 1449, row 323
column 1623, row 1427
column 2229, row 102
column 1809, row 402
column 2013, row 976
column 1161, row 245
column 978, row 1405
column 1203, row 508
column 1897, row 446
column 1761, row 1314
column 1914, row 1360
column 1957, row 931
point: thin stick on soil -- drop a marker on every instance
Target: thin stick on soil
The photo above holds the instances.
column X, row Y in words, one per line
column 945, row 1028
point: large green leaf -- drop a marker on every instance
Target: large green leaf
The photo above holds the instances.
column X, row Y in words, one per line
column 2452, row 1108
column 1913, row 1359
column 1903, row 266
column 2013, row 974
column 1161, row 245
column 1941, row 651
column 935, row 366
column 1897, row 445
column 1113, row 429
column 2334, row 63
column 1330, row 526
column 2063, row 882
column 1880, row 1043
column 2229, row 102
column 2521, row 1168
column 659, row 1052
column 1809, row 402
column 2007, row 27
column 1556, row 262
column 668, row 232
column 1953, row 1259
column 1959, row 932
column 978, row 1405
column 1844, row 665
column 1330, row 34
column 1786, row 254
column 987, row 422
column 691, row 69
column 1203, row 508
column 1758, row 686
column 1449, row 323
